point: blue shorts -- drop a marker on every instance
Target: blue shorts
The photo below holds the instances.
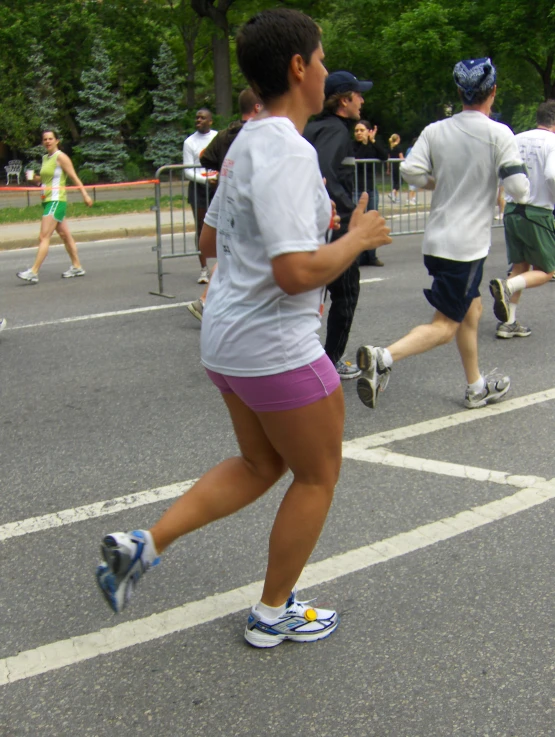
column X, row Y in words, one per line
column 455, row 285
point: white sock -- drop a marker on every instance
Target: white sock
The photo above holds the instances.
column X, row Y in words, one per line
column 477, row 386
column 516, row 283
column 512, row 312
column 151, row 552
column 387, row 358
column 270, row 612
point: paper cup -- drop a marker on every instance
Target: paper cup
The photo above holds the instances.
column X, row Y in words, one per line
column 29, row 175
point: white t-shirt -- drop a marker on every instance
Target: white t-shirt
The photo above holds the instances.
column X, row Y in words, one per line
column 192, row 148
column 270, row 200
column 537, row 148
column 466, row 155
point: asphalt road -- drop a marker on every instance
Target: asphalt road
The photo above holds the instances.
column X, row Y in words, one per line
column 447, row 629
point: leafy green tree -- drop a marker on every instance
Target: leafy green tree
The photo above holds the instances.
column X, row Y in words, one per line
column 100, row 116
column 166, row 140
column 188, row 24
column 220, row 49
column 42, row 101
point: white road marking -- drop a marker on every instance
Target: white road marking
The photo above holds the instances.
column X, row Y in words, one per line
column 389, row 458
column 370, row 281
column 442, row 423
column 56, row 655
column 92, row 511
column 99, row 315
column 357, row 449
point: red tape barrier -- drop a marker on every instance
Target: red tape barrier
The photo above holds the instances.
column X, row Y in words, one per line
column 87, row 186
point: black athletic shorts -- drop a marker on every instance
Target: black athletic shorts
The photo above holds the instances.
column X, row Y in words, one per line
column 455, row 285
column 200, row 196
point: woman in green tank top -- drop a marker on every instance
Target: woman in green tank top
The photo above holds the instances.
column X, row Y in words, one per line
column 56, row 167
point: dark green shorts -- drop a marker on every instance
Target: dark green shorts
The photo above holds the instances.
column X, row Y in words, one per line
column 56, row 209
column 530, row 236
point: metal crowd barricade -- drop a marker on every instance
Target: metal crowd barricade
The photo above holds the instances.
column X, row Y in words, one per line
column 181, row 219
column 407, row 215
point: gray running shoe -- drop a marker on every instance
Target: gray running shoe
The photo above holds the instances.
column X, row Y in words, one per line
column 501, row 296
column 299, row 623
column 204, row 277
column 29, row 276
column 73, row 271
column 196, row 308
column 346, row 370
column 127, row 555
column 512, row 330
column 495, row 388
column 375, row 374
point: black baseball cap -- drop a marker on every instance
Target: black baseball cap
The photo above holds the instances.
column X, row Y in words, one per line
column 345, row 82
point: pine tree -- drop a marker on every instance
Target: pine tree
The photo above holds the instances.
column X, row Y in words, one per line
column 165, row 142
column 100, row 118
column 42, row 102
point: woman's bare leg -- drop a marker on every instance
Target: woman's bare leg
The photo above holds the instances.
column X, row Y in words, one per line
column 309, row 439
column 229, row 486
column 69, row 243
column 47, row 227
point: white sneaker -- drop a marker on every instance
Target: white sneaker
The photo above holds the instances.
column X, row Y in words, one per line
column 204, row 277
column 375, row 374
column 495, row 388
column 127, row 555
column 299, row 623
column 29, row 276
column 3, row 323
column 196, row 308
column 73, row 271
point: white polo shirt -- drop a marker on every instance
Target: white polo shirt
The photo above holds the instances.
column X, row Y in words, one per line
column 466, row 154
column 271, row 200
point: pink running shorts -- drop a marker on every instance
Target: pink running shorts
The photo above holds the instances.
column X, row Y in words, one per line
column 289, row 390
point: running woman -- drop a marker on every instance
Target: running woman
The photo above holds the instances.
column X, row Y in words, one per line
column 56, row 167
column 267, row 226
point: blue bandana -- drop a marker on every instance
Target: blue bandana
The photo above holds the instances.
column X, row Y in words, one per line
column 474, row 75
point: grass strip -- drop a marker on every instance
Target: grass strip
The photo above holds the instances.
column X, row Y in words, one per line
column 80, row 210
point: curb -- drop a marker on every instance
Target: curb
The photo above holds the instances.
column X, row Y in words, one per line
column 89, row 236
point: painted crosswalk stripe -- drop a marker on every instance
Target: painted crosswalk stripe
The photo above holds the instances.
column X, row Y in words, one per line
column 92, row 511
column 56, row 655
column 100, row 315
column 357, row 449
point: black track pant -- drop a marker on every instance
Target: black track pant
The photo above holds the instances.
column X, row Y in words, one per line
column 343, row 294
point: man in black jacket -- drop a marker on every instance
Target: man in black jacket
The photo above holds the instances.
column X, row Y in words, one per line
column 331, row 136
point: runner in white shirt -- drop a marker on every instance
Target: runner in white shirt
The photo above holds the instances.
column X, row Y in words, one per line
column 259, row 342
column 529, row 228
column 202, row 183
column 461, row 158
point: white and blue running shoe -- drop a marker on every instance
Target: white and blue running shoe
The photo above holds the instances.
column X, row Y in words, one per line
column 299, row 623
column 127, row 555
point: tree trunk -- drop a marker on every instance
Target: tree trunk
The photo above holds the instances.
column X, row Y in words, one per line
column 222, row 74
column 190, row 76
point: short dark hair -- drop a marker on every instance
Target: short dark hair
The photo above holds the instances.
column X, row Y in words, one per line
column 205, row 110
column 247, row 100
column 365, row 123
column 331, row 103
column 545, row 114
column 266, row 44
column 479, row 97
